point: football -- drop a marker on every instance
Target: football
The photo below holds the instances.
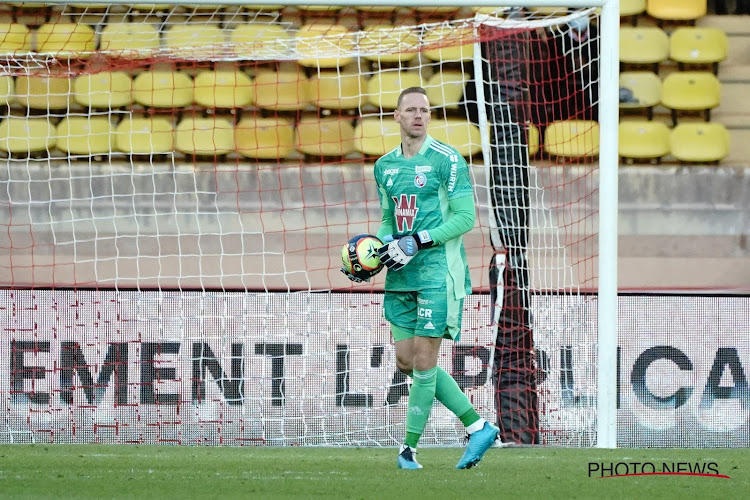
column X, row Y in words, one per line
column 360, row 256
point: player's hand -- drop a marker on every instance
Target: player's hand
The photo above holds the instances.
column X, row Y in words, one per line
column 398, row 252
column 354, row 278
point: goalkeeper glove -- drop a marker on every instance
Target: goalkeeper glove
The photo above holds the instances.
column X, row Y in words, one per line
column 398, row 252
column 354, row 278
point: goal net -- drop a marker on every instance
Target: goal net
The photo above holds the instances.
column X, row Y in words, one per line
column 177, row 183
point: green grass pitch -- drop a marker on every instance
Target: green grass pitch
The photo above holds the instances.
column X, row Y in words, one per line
column 130, row 471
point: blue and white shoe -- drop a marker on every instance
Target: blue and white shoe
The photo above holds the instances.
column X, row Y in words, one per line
column 407, row 458
column 479, row 442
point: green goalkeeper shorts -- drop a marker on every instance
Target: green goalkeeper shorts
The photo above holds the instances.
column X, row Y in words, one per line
column 427, row 313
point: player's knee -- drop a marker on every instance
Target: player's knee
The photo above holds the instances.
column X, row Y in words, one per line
column 405, row 366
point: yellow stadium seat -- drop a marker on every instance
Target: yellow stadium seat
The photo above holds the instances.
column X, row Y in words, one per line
column 108, row 89
column 645, row 87
column 223, row 89
column 324, row 45
column 532, row 140
column 194, row 41
column 572, row 138
column 14, row 39
column 388, row 44
column 66, row 40
column 335, row 90
column 632, row 7
column 384, row 87
column 85, row 135
column 26, row 135
column 699, row 142
column 264, row 138
column 643, row 45
column 281, row 90
column 145, row 135
column 451, row 44
column 163, row 89
column 129, row 40
column 320, row 8
column 677, row 10
column 691, row 91
column 375, row 136
column 445, row 89
column 212, row 136
column 690, row 45
column 325, row 136
column 643, row 139
column 7, row 89
column 44, row 92
column 252, row 40
column 459, row 133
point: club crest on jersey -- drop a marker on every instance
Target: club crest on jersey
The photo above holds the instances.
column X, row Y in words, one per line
column 420, row 180
column 405, row 211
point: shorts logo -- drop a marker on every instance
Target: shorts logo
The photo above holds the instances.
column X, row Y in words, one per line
column 424, row 313
column 429, row 326
column 420, row 180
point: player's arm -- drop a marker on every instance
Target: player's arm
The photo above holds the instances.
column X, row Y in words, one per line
column 388, row 222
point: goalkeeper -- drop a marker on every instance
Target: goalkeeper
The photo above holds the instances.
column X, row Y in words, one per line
column 428, row 204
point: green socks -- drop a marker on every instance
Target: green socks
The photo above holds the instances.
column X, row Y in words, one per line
column 421, row 396
column 435, row 384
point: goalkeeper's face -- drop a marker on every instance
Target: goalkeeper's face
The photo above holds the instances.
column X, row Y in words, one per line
column 413, row 115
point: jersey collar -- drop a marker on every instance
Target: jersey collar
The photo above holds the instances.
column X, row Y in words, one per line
column 426, row 144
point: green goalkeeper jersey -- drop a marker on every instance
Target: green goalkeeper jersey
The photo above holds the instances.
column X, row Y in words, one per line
column 416, row 194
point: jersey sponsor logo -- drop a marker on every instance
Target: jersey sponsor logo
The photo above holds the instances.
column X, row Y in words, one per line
column 405, row 211
column 419, row 169
column 452, row 181
column 420, row 180
column 390, row 171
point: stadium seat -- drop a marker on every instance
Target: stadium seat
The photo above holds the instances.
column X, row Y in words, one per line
column 375, row 136
column 26, row 135
column 163, row 89
column 145, row 135
column 225, row 89
column 44, row 92
column 452, row 44
column 85, row 135
column 572, row 138
column 645, row 87
column 194, row 41
column 699, row 142
column 264, row 138
column 7, row 89
column 324, row 45
column 337, row 90
column 14, row 39
column 532, row 140
column 632, row 7
column 643, row 46
column 388, row 44
column 445, row 89
column 677, row 10
column 108, row 90
column 643, row 139
column 212, row 136
column 251, row 40
column 281, row 90
column 330, row 136
column 459, row 133
column 129, row 40
column 691, row 91
column 66, row 40
column 384, row 87
column 690, row 45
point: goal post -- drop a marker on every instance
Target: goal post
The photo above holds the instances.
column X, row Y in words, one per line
column 177, row 183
